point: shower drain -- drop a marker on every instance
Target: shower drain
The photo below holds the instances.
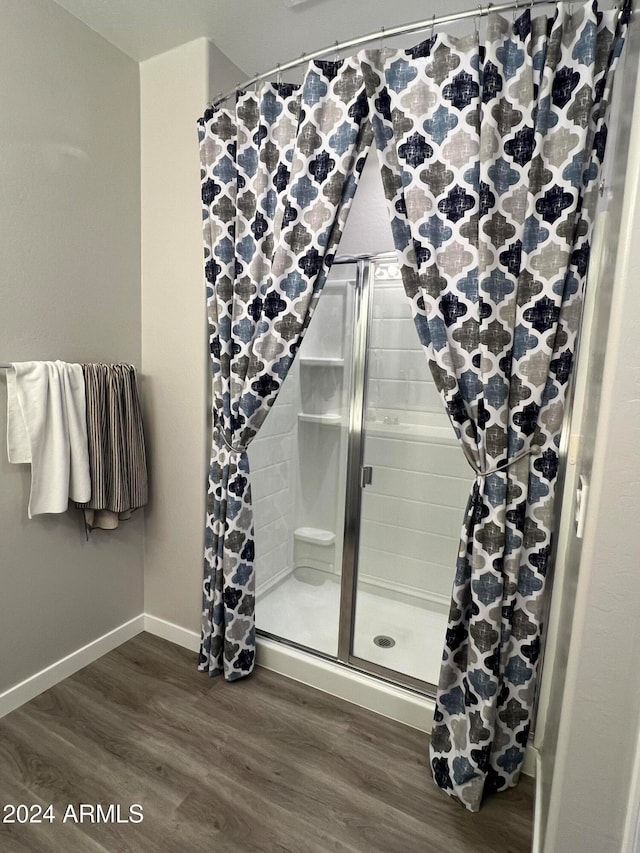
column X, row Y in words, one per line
column 384, row 642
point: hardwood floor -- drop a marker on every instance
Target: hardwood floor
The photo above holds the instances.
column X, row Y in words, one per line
column 262, row 765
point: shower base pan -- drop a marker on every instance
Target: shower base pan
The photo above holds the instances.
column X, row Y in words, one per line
column 395, row 631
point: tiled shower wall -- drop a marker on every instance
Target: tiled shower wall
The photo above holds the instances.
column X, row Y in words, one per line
column 272, row 462
column 412, row 512
column 297, row 469
column 412, row 515
column 399, row 377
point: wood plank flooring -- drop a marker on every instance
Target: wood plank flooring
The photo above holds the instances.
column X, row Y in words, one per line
column 265, row 765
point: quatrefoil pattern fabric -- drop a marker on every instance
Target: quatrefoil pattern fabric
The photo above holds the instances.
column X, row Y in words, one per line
column 490, row 157
column 278, row 175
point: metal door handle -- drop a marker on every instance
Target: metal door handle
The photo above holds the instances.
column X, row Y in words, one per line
column 366, row 476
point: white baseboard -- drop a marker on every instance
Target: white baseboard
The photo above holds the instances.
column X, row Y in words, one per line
column 531, row 761
column 37, row 683
column 536, row 846
column 172, row 632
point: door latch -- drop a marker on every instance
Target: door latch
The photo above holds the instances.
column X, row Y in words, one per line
column 582, row 496
column 366, row 476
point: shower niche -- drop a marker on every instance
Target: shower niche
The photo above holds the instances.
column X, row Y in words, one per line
column 359, row 488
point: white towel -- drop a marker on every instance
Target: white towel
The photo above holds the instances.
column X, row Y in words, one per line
column 46, row 426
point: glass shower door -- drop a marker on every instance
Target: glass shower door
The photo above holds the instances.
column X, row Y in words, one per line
column 298, row 477
column 412, row 488
column 359, row 487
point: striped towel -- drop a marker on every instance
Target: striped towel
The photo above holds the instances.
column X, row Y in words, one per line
column 117, row 462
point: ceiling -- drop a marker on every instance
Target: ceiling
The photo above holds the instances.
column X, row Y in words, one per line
column 254, row 34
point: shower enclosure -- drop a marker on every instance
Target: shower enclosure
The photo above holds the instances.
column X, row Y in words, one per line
column 359, row 488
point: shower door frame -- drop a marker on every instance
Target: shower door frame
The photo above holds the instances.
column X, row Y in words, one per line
column 362, row 311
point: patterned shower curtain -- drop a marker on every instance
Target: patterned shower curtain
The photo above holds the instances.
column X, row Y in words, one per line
column 490, row 158
column 278, row 176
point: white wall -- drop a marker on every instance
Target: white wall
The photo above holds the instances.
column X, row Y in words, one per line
column 70, row 270
column 175, row 88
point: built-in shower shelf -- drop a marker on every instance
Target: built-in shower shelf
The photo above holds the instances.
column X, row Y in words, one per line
column 314, row 535
column 321, row 361
column 329, row 419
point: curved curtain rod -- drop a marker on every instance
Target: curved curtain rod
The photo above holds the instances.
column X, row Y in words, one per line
column 479, row 12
